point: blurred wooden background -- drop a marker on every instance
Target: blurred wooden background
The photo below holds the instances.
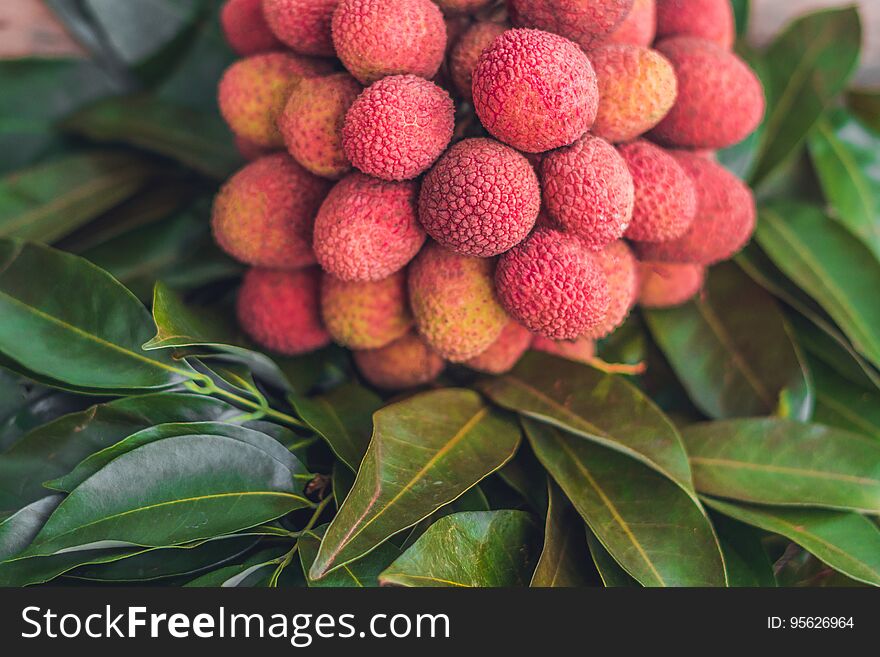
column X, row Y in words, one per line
column 27, row 27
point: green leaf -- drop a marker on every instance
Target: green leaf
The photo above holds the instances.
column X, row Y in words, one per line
column 741, row 11
column 732, row 349
column 179, row 325
column 487, row 549
column 54, row 449
column 775, row 461
column 830, row 265
column 170, row 492
column 564, row 560
column 425, row 452
column 362, row 573
column 643, row 519
column 525, row 475
column 47, row 202
column 846, row 156
column 840, row 403
column 195, row 139
column 19, row 529
column 807, row 66
column 613, row 576
column 255, row 571
column 99, row 460
column 26, row 571
column 847, row 542
column 65, row 318
column 866, row 105
column 745, row 559
column 600, row 407
column 343, row 417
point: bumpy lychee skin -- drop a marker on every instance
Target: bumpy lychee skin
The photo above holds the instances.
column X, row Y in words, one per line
column 481, row 199
column 583, row 21
column 365, row 315
column 303, row 25
column 589, row 191
column 666, row 199
column 367, row 229
column 535, row 90
column 582, row 350
column 553, row 285
column 466, row 53
column 621, row 270
column 665, row 285
column 405, row 363
column 637, row 88
column 264, row 214
column 724, row 222
column 505, row 352
column 462, row 6
column 705, row 19
column 398, row 127
column 638, row 28
column 253, row 92
column 720, row 100
column 245, row 27
column 454, row 304
column 312, row 121
column 377, row 38
column 279, row 310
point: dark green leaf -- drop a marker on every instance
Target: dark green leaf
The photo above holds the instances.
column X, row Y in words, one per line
column 255, row 571
column 179, row 325
column 643, row 519
column 732, row 349
column 601, row 407
column 843, row 404
column 472, row 549
column 65, row 318
column 19, row 529
column 807, row 66
column 358, row 574
column 830, row 265
column 845, row 541
column 564, row 560
column 775, row 461
column 741, row 10
column 613, row 576
column 866, row 105
column 425, row 452
column 38, row 570
column 525, row 474
column 745, row 559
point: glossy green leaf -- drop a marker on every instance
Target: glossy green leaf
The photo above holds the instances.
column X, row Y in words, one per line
column 807, row 66
column 732, row 349
column 845, row 541
column 613, row 576
column 776, row 461
column 745, row 558
column 564, row 560
column 830, row 265
column 67, row 319
column 362, row 573
column 343, row 417
column 48, row 201
column 54, row 449
column 643, row 519
column 486, row 549
column 525, row 475
column 841, row 403
column 179, row 325
column 741, row 11
column 425, row 452
column 255, row 571
column 197, row 140
column 846, row 156
column 19, row 529
column 171, row 492
column 39, row 570
column 601, row 407
column 98, row 460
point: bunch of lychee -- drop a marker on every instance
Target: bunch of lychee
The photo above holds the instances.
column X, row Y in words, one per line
column 462, row 180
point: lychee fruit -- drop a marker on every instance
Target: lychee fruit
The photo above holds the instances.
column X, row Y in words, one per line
column 377, row 38
column 535, row 91
column 398, row 127
column 253, row 92
column 637, row 88
column 367, row 229
column 245, row 27
column 311, row 123
column 665, row 195
column 583, row 21
column 368, row 314
column 453, row 300
column 303, row 25
column 582, row 350
column 665, row 285
column 466, row 53
column 279, row 310
column 724, row 222
column 638, row 28
column 503, row 354
column 405, row 363
column 704, row 19
column 621, row 271
column 553, row 285
column 264, row 214
column 462, row 6
column 481, row 199
column 588, row 191
column 720, row 99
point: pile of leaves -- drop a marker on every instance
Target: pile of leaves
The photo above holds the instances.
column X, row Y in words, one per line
column 142, row 439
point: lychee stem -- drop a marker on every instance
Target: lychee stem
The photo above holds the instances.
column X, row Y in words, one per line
column 205, row 386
